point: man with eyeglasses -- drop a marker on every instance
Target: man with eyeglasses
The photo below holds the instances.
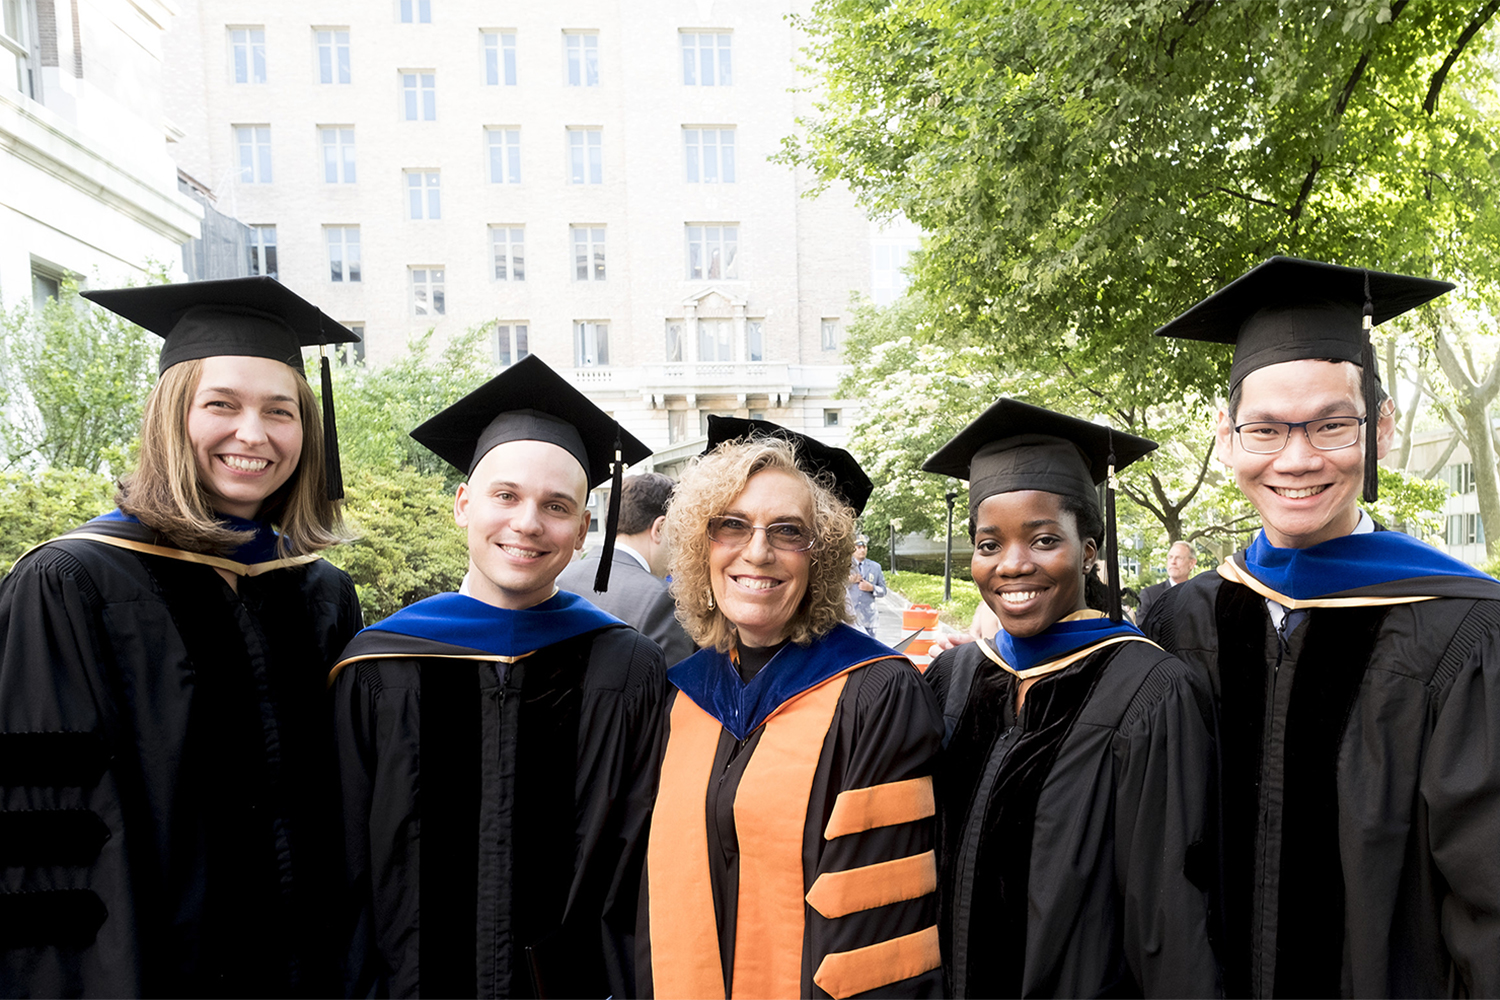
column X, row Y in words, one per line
column 1356, row 670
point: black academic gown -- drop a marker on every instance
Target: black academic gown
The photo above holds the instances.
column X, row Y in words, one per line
column 836, row 783
column 495, row 814
column 1361, row 802
column 1076, row 837
column 169, row 823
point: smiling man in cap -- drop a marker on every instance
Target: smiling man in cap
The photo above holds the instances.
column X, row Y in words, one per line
column 499, row 746
column 1357, row 670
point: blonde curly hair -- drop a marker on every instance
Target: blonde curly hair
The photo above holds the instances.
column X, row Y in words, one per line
column 710, row 484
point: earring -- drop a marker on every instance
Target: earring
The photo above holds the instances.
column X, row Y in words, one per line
column 710, row 598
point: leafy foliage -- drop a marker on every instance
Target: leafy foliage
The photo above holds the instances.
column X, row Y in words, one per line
column 926, row 588
column 73, row 383
column 42, row 504
column 407, row 547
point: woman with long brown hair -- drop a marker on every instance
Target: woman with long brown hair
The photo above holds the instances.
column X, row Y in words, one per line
column 170, row 817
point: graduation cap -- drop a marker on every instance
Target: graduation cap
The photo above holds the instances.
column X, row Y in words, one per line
column 1286, row 309
column 1015, row 446
column 240, row 317
column 849, row 482
column 531, row 402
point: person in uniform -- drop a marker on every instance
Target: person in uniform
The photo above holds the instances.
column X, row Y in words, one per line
column 866, row 585
column 791, row 851
column 643, row 552
column 1357, row 670
column 1076, row 791
column 499, row 746
column 168, row 811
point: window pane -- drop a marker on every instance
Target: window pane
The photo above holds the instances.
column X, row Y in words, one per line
column 325, row 58
column 344, row 75
column 706, row 61
column 406, row 11
column 523, row 348
column 725, row 76
column 335, row 256
column 429, row 97
column 330, row 159
column 726, row 156
column 580, row 255
column 502, row 345
column 414, row 195
column 425, row 11
column 690, row 143
column 434, row 205
column 513, row 155
column 689, row 60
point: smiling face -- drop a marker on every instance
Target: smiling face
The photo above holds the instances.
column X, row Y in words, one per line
column 524, row 508
column 1029, row 560
column 758, row 587
column 1304, row 496
column 245, row 428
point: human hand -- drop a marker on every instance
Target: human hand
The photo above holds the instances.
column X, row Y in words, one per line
column 948, row 641
column 854, row 576
column 866, row 586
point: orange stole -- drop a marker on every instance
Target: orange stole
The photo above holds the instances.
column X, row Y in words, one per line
column 685, row 957
column 770, row 815
column 684, row 932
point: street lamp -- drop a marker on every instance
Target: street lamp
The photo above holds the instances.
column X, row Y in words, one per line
column 950, row 496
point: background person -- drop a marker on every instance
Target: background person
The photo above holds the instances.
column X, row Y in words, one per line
column 637, row 592
column 1075, row 791
column 866, row 585
column 791, row 850
column 1357, row 670
column 499, row 746
column 165, row 755
column 1181, row 561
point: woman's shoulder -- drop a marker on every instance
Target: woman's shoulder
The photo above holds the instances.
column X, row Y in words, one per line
column 1140, row 683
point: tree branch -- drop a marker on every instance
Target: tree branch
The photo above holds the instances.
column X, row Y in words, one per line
column 1437, row 466
column 1140, row 501
column 1480, row 18
column 1250, row 197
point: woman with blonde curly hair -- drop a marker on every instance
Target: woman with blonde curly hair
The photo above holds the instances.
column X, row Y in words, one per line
column 791, row 851
column 166, row 750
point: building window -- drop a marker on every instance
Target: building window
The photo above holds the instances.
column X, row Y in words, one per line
column 419, row 95
column 830, row 334
column 343, row 253
column 1465, row 529
column 588, row 253
column 509, row 244
column 585, row 156
column 333, row 55
column 254, row 142
column 712, row 252
column 583, row 58
column 415, row 11
column 499, row 58
column 705, row 59
column 504, row 145
column 674, row 340
column 348, row 355
column 18, row 39
column 248, row 46
column 590, row 344
column 427, row 297
column 263, row 251
column 338, row 154
column 510, row 344
column 830, row 418
column 45, row 288
column 715, row 340
column 1460, row 477
column 755, row 340
column 710, row 155
column 888, row 278
column 677, row 426
column 424, row 194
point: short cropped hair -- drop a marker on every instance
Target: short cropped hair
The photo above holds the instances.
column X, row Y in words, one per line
column 706, row 490
column 643, row 499
column 166, row 494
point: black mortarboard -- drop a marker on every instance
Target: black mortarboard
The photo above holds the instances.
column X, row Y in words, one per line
column 238, row 317
column 531, row 402
column 1286, row 309
column 835, row 465
column 1016, row 446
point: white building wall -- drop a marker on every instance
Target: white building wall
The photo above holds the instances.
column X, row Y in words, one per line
column 87, row 188
column 800, row 259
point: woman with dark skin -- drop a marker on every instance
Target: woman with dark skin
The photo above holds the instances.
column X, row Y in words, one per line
column 1073, row 799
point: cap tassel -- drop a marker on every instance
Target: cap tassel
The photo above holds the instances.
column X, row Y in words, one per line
column 1369, row 383
column 1111, row 546
column 331, row 465
column 612, row 520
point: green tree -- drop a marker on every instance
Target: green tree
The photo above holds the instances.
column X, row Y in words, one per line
column 377, row 408
column 73, row 382
column 36, row 505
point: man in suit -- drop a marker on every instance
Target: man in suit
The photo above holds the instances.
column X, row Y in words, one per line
column 1181, row 561
column 637, row 593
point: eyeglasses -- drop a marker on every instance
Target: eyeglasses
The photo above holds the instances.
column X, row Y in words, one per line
column 1267, row 437
column 785, row 535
